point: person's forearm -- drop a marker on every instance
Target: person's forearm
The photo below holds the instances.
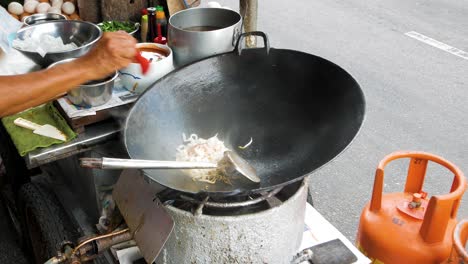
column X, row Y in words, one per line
column 24, row 91
column 115, row 50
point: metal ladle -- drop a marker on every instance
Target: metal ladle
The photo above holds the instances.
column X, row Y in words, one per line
column 232, row 163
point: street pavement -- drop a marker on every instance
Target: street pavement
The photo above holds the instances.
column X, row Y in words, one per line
column 416, row 94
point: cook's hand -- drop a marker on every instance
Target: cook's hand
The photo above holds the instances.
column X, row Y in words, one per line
column 115, row 50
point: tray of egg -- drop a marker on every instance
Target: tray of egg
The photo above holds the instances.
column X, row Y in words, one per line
column 30, row 7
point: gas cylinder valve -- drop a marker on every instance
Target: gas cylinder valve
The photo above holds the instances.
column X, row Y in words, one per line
column 416, row 202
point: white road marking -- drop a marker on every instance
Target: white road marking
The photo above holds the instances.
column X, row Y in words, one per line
column 430, row 41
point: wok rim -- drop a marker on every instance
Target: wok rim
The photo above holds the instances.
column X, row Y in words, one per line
column 255, row 190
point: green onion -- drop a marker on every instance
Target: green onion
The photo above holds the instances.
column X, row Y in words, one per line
column 111, row 26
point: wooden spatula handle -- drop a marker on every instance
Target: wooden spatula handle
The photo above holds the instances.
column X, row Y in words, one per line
column 26, row 123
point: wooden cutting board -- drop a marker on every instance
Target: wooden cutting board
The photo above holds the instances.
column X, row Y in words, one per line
column 122, row 10
column 175, row 6
column 90, row 10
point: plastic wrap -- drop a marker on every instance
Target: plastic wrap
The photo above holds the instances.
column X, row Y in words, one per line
column 8, row 28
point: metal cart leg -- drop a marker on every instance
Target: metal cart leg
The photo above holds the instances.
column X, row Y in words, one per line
column 248, row 10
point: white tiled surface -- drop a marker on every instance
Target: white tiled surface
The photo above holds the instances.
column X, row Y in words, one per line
column 319, row 230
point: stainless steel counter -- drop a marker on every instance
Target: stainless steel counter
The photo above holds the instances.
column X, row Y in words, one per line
column 94, row 135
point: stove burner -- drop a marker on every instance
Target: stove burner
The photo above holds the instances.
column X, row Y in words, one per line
column 230, row 205
column 233, row 204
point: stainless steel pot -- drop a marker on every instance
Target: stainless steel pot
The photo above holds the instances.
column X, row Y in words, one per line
column 197, row 33
column 93, row 93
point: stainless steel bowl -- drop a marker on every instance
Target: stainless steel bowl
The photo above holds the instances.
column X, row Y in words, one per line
column 83, row 34
column 93, row 93
column 41, row 18
column 197, row 33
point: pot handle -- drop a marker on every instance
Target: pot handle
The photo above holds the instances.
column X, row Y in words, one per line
column 253, row 33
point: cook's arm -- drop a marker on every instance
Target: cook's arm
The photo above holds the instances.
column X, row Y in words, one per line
column 114, row 51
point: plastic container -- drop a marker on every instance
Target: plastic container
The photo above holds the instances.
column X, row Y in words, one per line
column 133, row 78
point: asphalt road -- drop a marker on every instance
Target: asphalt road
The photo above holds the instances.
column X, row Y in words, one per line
column 416, row 94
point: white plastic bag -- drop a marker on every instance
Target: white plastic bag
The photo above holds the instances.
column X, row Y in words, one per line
column 8, row 28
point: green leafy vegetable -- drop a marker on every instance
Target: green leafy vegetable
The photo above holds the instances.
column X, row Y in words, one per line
column 111, row 26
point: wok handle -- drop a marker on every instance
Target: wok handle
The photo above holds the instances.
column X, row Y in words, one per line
column 253, row 33
column 117, row 164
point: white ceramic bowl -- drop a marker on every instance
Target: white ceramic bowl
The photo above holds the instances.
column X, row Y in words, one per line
column 132, row 77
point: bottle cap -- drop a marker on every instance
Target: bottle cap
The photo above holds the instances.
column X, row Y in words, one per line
column 160, row 13
column 159, row 8
column 144, row 18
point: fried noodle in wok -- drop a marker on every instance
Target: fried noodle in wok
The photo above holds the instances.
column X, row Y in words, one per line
column 203, row 150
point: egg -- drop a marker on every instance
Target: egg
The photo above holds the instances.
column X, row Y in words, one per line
column 213, row 5
column 68, row 8
column 30, row 6
column 57, row 3
column 15, row 8
column 42, row 8
column 54, row 10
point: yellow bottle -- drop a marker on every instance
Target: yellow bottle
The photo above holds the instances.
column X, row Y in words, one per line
column 144, row 28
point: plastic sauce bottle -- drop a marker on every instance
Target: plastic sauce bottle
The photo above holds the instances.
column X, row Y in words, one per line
column 144, row 28
column 161, row 19
column 152, row 33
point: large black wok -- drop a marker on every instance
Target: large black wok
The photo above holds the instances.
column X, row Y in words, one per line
column 301, row 111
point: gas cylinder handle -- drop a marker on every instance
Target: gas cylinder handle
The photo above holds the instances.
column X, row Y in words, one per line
column 441, row 207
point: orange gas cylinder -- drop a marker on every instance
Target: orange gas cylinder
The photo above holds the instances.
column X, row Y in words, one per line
column 409, row 227
column 460, row 237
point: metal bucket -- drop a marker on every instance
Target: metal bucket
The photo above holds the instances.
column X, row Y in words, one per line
column 197, row 33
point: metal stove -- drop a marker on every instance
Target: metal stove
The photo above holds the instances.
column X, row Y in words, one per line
column 174, row 227
column 262, row 228
column 266, row 228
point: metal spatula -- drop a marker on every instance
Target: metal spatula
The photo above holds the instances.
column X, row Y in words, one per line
column 232, row 163
column 43, row 130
